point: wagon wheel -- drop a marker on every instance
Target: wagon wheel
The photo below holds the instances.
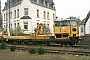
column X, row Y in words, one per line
column 48, row 44
column 71, row 44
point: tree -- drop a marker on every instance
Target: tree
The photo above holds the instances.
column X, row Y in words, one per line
column 35, row 30
column 45, row 29
column 17, row 32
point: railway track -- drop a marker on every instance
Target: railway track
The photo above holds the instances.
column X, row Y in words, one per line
column 82, row 46
column 74, row 46
column 60, row 51
column 78, row 52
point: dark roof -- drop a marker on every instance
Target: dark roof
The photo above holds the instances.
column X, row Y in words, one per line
column 6, row 6
column 25, row 17
column 41, row 2
column 12, row 3
column 86, row 19
column 48, row 1
column 16, row 2
column 51, row 2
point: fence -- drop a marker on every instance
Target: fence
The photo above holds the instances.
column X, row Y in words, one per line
column 85, row 40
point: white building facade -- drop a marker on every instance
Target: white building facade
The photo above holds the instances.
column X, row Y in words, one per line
column 87, row 26
column 28, row 14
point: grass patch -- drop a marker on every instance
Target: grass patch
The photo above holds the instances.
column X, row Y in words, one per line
column 17, row 55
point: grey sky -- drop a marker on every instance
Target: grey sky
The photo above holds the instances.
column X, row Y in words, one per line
column 66, row 8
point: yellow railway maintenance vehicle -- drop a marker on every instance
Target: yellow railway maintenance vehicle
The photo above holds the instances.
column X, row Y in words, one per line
column 39, row 38
column 1, row 33
column 65, row 32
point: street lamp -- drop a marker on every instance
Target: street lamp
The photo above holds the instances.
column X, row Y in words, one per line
column 8, row 20
column 9, row 17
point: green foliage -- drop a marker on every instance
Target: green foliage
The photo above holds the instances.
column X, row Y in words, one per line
column 3, row 46
column 41, row 50
column 32, row 50
column 17, row 32
column 46, row 30
column 12, row 48
column 35, row 30
column 5, row 32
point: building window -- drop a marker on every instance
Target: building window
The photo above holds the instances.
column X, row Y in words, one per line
column 38, row 13
column 25, row 25
column 46, row 4
column 48, row 25
column 51, row 5
column 4, row 26
column 15, row 25
column 48, row 15
column 11, row 14
column 44, row 15
column 37, row 24
column 4, row 17
column 81, row 29
column 14, row 13
column 26, row 11
column 11, row 25
column 53, row 16
column 17, row 12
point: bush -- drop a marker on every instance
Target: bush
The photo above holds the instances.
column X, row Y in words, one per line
column 32, row 50
column 41, row 50
column 12, row 48
column 3, row 46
